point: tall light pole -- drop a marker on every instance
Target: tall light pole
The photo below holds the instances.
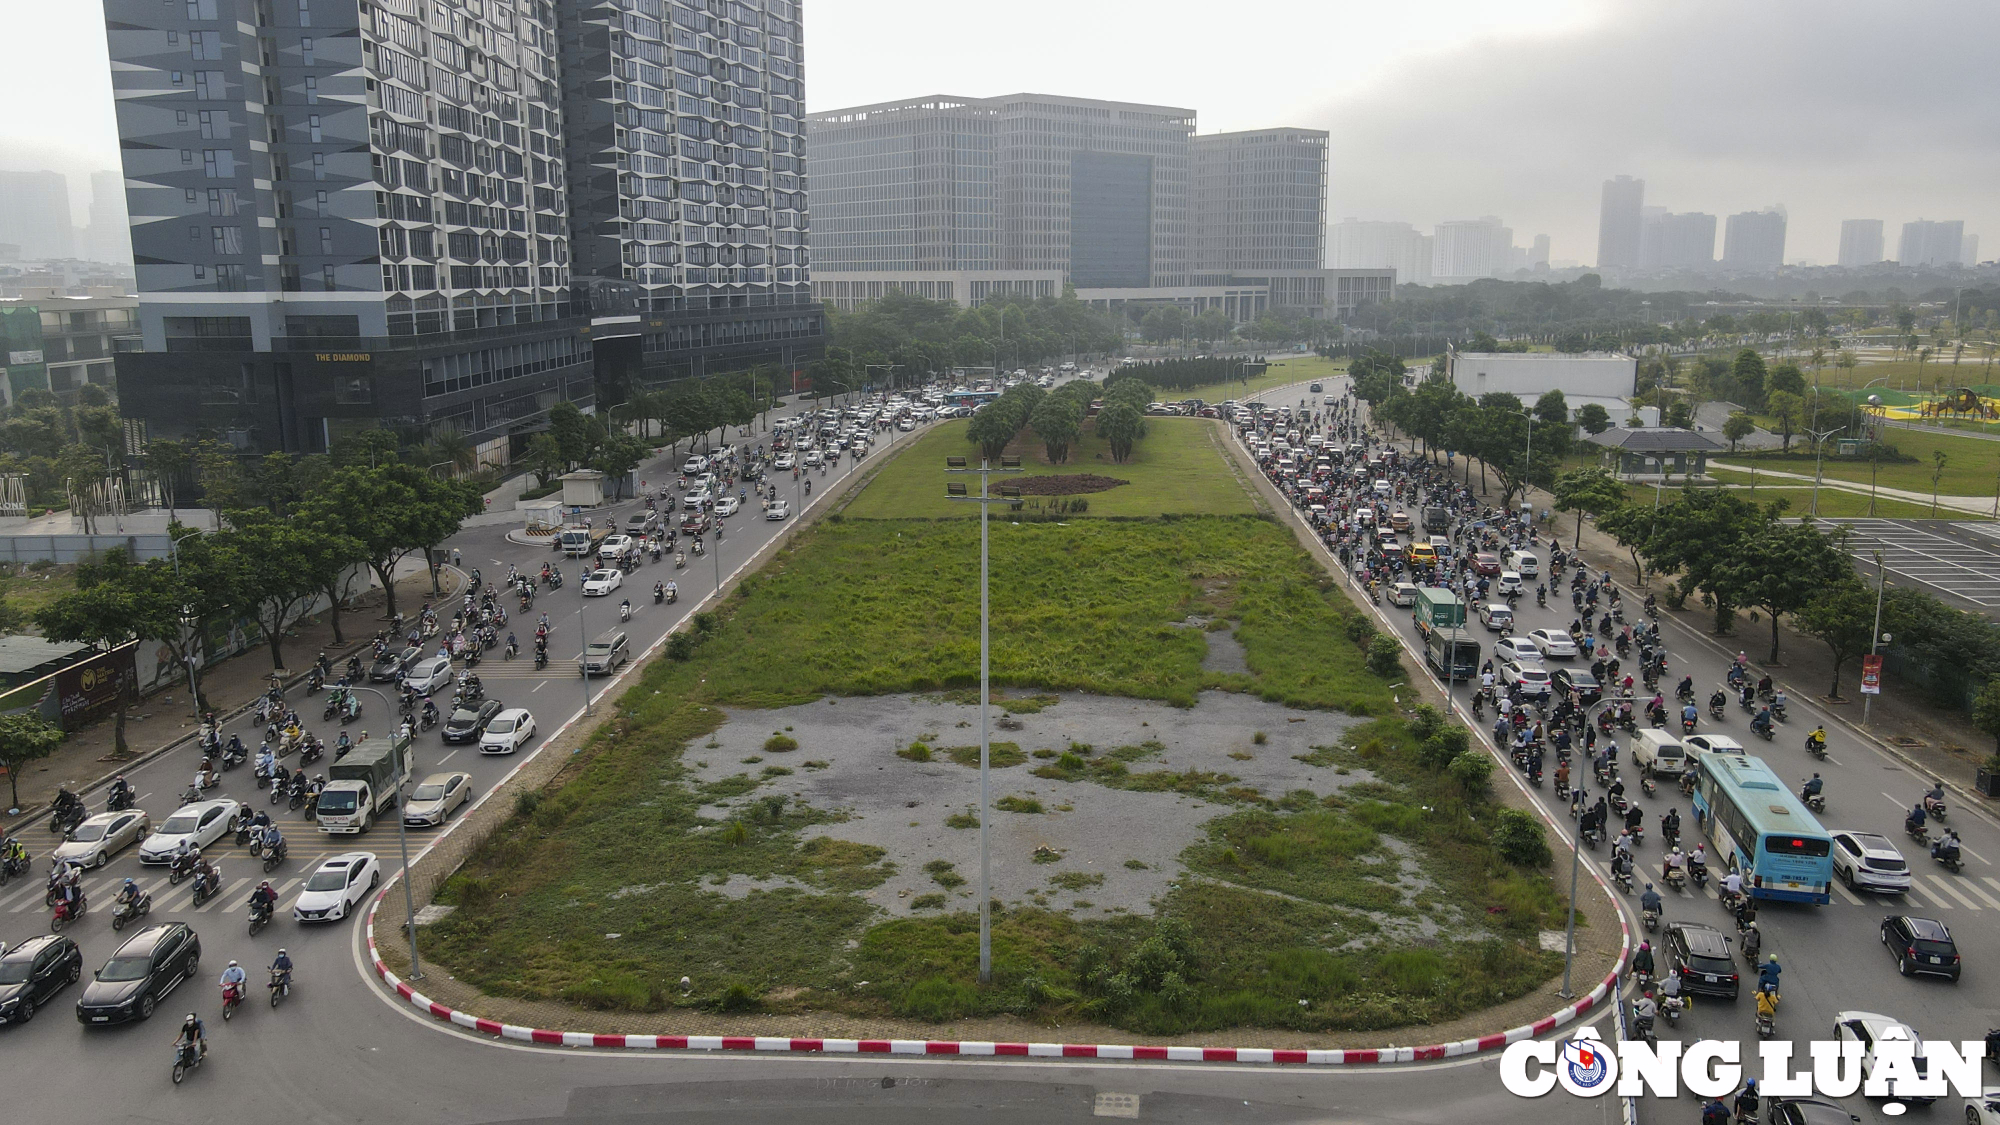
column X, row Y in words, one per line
column 1008, row 494
column 402, row 833
column 1819, row 453
column 1875, row 635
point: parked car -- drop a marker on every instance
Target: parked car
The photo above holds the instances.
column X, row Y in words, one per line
column 33, row 972
column 336, row 887
column 96, row 840
column 508, row 732
column 1920, row 945
column 201, row 824
column 435, row 798
column 1701, row 953
column 144, row 970
column 466, row 724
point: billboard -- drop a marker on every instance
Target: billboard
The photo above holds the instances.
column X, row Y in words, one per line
column 91, row 688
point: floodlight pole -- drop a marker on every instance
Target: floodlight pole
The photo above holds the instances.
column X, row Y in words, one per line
column 984, row 499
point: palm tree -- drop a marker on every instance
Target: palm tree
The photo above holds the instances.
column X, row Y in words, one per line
column 448, row 444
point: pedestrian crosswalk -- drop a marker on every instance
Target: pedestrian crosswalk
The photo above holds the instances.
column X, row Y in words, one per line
column 1930, row 892
column 28, row 895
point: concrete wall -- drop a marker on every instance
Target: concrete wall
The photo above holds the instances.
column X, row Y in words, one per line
column 1529, row 375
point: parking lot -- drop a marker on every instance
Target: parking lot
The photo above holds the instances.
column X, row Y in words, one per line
column 1959, row 562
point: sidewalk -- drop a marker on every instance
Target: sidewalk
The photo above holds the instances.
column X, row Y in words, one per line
column 1975, row 505
column 157, row 720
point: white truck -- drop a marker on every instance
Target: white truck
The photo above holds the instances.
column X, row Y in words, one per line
column 364, row 782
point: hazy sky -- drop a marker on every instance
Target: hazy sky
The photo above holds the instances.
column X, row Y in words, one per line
column 1438, row 109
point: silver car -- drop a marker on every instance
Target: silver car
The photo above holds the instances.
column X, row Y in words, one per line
column 96, row 840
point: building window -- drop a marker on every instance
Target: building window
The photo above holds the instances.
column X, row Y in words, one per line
column 204, row 45
column 227, row 240
column 326, row 279
column 312, row 122
column 306, row 46
column 178, row 78
column 201, row 9
column 222, row 201
column 208, row 124
column 305, row 13
column 187, row 156
column 326, row 240
column 354, row 390
column 218, row 163
column 312, row 90
column 319, row 166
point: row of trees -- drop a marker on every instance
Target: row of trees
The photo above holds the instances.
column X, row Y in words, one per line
column 1180, row 374
column 1056, row 417
column 1495, row 428
column 919, row 336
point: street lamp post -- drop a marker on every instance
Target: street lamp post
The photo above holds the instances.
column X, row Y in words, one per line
column 1008, row 494
column 1819, row 453
column 1875, row 635
column 402, row 832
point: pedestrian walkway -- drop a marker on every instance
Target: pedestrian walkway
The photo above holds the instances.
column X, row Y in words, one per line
column 1978, row 505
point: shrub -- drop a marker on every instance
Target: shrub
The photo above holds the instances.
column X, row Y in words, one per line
column 1426, row 722
column 526, row 802
column 933, row 901
column 915, row 752
column 680, row 647
column 704, row 623
column 780, row 744
column 937, row 999
column 1519, row 837
column 965, row 819
column 737, row 834
column 1385, row 657
column 1018, row 804
column 737, row 998
column 1259, row 738
column 1360, row 630
column 1473, row 772
column 1443, row 747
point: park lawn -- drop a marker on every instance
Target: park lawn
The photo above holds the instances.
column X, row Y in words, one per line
column 1972, row 464
column 877, row 606
column 1833, row 502
column 1284, row 370
column 1177, row 469
column 28, row 590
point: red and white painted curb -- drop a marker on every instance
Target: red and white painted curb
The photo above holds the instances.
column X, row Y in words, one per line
column 1375, row 1055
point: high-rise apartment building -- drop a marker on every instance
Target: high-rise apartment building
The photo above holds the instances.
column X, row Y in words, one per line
column 1259, row 200
column 1618, row 223
column 1928, row 242
column 35, row 214
column 1754, row 240
column 1968, row 252
column 1676, row 241
column 1469, row 248
column 1860, row 242
column 346, row 215
column 687, row 175
column 108, row 238
column 1366, row 244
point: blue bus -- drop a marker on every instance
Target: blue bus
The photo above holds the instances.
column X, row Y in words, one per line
column 1758, row 827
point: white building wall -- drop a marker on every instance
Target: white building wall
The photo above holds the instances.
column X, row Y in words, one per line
column 1529, row 375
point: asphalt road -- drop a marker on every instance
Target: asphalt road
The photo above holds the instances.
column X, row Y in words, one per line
column 1959, row 561
column 1832, row 956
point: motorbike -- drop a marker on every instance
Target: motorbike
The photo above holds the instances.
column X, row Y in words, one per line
column 234, row 755
column 1624, row 880
column 1716, row 711
column 281, row 986
column 1778, row 712
column 297, row 794
column 1949, row 859
column 1762, row 731
column 67, row 817
column 243, row 826
column 181, row 867
column 232, row 995
column 275, row 856
column 312, row 752
column 1917, row 832
column 1647, row 785
column 120, row 800
column 67, row 913
column 351, row 711
column 1698, row 871
column 205, row 889
column 1767, row 1026
column 1673, row 878
column 1817, row 748
column 1687, row 725
column 1935, row 809
column 315, row 680
column 334, row 703
column 9, row 868
column 1642, row 1026
column 1814, row 801
column 260, row 916
column 625, row 611
column 124, row 912
column 429, row 720
column 1652, row 920
column 186, row 1057
column 680, row 559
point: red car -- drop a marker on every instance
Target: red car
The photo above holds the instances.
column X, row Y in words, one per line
column 1486, row 563
column 696, row 523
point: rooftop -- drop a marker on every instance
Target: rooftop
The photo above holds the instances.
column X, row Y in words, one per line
column 25, row 654
column 1655, row 439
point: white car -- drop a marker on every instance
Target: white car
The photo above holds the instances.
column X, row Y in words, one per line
column 509, row 731
column 778, row 510
column 813, row 459
column 1517, row 650
column 1403, row 594
column 727, row 506
column 96, row 840
column 1867, row 861
column 695, row 464
column 1510, row 583
column 1555, row 644
column 601, row 582
column 201, row 824
column 1524, row 561
column 1533, row 679
column 1698, row 744
column 337, row 887
column 613, row 547
column 429, row 675
column 1984, row 1109
column 1869, row 1029
column 785, row 461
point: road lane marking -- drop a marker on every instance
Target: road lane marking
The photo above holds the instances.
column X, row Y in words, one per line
column 1953, row 892
column 1973, row 854
column 1972, row 888
column 1853, row 899
column 229, row 895
column 1927, row 897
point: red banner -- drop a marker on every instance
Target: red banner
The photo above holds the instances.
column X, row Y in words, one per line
column 1871, row 675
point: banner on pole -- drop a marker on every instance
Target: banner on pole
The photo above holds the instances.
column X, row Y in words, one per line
column 1871, row 675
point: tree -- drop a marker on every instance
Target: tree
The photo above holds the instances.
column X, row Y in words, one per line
column 391, row 510
column 1782, row 569
column 1167, row 322
column 1057, row 420
column 1787, row 377
column 1985, row 712
column 27, row 737
column 1552, row 408
column 617, row 455
column 117, row 602
column 1739, row 426
column 267, row 560
column 1747, row 373
column 1593, row 418
column 544, row 458
column 1679, row 415
column 171, row 466
column 1842, row 616
column 1587, row 490
column 1121, row 425
column 572, row 431
column 1787, row 410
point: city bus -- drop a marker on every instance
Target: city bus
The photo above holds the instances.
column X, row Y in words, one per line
column 1758, row 827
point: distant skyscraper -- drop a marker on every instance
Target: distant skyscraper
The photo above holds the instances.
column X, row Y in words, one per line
column 1357, row 244
column 1860, row 242
column 1468, row 248
column 1677, row 242
column 1932, row 243
column 1969, row 251
column 1754, row 240
column 1618, row 223
column 1538, row 256
column 34, row 214
column 1259, row 201
column 109, row 236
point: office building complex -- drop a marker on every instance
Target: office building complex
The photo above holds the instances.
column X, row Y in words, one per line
column 35, row 214
column 1754, row 240
column 1676, row 241
column 1860, row 242
column 687, row 177
column 77, row 338
column 1932, row 243
column 1360, row 244
column 1618, row 223
column 1968, row 251
column 109, row 236
column 1260, row 200
column 1469, row 248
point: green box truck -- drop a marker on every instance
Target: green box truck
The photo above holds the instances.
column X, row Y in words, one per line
column 1437, row 608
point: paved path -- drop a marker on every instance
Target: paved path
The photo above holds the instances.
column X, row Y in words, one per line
column 1975, row 505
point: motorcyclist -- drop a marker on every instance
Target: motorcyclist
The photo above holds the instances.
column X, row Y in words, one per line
column 1811, row 788
column 1732, row 883
column 1642, row 961
column 192, row 1034
column 1746, row 1102
column 15, row 853
column 430, row 712
column 1915, row 820
column 1714, row 1113
column 1935, row 797
column 1946, row 846
column 1753, row 941
column 1767, row 975
column 121, row 791
column 1816, row 741
column 234, row 976
column 1644, row 1011
column 264, row 899
column 205, row 873
column 1690, row 714
column 265, row 760
column 127, row 894
column 1762, row 722
column 1670, row 825
column 282, row 965
column 1650, row 901
column 1674, row 861
column 274, row 840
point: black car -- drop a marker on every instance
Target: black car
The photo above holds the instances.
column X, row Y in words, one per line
column 1809, row 1111
column 1701, row 953
column 466, row 724
column 1587, row 689
column 385, row 669
column 33, row 972
column 1920, row 945
column 151, row 964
